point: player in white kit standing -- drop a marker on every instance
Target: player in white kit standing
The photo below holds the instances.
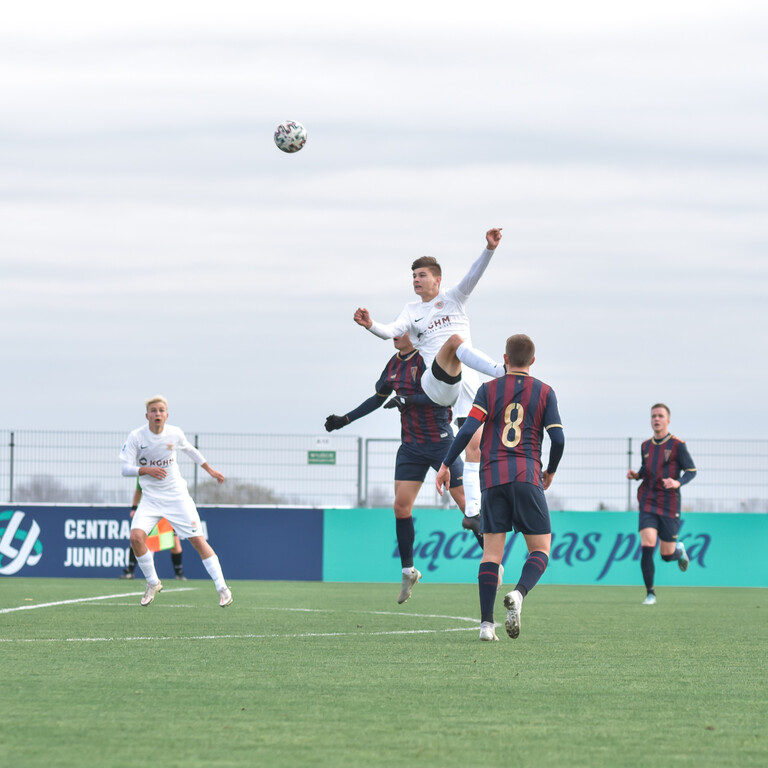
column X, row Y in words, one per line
column 149, row 453
column 439, row 328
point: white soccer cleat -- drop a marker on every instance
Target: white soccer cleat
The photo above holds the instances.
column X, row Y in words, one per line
column 513, row 602
column 409, row 580
column 225, row 597
column 488, row 631
column 650, row 599
column 152, row 590
column 684, row 560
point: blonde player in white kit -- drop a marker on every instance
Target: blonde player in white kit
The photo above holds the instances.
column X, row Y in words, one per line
column 149, row 453
column 439, row 328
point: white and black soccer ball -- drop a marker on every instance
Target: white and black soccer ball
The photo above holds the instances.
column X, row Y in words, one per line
column 290, row 136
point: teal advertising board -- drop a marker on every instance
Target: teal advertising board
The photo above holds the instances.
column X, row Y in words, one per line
column 587, row 548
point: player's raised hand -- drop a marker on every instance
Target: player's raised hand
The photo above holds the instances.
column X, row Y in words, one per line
column 493, row 238
column 443, row 478
column 363, row 317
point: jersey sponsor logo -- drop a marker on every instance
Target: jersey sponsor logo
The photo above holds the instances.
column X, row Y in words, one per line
column 156, row 462
column 440, row 322
column 19, row 545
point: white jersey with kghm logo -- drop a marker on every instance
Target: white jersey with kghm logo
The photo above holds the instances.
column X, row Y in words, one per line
column 144, row 448
column 431, row 323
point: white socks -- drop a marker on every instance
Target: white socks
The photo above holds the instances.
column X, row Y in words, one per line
column 213, row 567
column 147, row 564
column 471, row 488
column 474, row 358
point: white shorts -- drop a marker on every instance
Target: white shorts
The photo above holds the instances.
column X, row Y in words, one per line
column 180, row 513
column 459, row 396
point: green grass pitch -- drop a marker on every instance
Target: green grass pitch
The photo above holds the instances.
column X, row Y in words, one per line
column 313, row 674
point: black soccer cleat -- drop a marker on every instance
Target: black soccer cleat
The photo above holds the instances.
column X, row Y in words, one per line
column 474, row 524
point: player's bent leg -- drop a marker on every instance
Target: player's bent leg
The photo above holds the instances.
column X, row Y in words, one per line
column 138, row 542
column 446, row 357
column 406, row 492
column 213, row 566
column 474, row 358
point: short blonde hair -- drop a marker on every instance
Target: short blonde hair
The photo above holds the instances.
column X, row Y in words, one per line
column 155, row 399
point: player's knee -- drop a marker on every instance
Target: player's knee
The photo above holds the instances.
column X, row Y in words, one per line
column 453, row 343
column 402, row 510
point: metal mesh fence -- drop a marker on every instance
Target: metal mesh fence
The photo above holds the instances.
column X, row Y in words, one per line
column 307, row 470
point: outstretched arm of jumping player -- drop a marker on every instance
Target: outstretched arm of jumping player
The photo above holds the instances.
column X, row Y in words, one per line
column 334, row 422
column 467, row 283
column 399, row 327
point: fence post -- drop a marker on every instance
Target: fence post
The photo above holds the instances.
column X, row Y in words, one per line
column 367, row 462
column 629, row 482
column 360, row 499
column 10, row 473
column 195, row 486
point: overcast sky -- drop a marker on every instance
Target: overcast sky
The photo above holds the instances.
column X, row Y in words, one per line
column 153, row 238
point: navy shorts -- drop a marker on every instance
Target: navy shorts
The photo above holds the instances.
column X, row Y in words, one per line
column 668, row 527
column 414, row 460
column 515, row 506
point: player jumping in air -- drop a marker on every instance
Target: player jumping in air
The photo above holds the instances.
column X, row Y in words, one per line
column 439, row 328
column 425, row 437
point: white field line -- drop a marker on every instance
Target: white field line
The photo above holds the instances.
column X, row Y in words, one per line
column 473, row 621
column 240, row 637
column 85, row 600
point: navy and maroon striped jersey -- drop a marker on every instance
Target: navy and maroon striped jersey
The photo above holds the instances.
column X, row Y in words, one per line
column 667, row 457
column 516, row 409
column 420, row 423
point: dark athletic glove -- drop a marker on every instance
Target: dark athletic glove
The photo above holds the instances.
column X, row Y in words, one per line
column 335, row 422
column 398, row 401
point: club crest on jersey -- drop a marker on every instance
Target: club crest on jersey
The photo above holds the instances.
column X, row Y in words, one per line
column 414, row 374
column 439, row 304
column 667, row 454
